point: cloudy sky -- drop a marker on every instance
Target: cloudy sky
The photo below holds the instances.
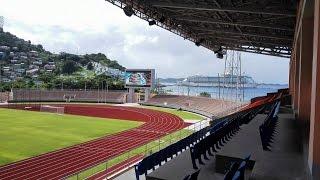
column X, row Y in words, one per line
column 92, row 26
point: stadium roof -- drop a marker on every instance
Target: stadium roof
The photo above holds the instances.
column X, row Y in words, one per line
column 258, row 26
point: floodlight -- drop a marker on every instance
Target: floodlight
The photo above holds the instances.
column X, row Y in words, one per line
column 128, row 11
column 152, row 22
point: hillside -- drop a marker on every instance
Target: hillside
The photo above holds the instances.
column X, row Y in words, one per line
column 24, row 64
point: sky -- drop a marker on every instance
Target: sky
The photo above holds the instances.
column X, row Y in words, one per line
column 93, row 26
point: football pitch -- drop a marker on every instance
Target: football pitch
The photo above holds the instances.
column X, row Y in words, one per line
column 25, row 134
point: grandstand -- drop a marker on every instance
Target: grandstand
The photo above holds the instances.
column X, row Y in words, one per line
column 202, row 105
column 219, row 151
column 37, row 95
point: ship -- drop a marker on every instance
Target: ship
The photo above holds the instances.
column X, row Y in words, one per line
column 227, row 81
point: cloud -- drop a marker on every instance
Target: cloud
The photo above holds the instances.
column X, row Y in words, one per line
column 92, row 26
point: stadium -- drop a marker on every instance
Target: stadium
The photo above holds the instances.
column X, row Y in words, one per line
column 116, row 134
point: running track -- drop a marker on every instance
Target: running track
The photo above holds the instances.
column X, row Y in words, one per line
column 67, row 161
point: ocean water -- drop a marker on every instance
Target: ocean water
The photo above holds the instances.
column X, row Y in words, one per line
column 225, row 93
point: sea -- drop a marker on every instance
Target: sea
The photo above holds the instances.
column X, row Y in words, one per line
column 232, row 94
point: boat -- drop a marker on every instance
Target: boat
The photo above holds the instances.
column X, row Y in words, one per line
column 228, row 81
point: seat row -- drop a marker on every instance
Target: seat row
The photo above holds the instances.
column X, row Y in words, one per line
column 267, row 128
column 202, row 104
column 212, row 143
column 74, row 95
column 220, row 134
column 162, row 156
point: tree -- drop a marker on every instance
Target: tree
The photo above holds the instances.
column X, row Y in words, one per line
column 205, row 94
column 46, row 77
column 69, row 67
column 90, row 66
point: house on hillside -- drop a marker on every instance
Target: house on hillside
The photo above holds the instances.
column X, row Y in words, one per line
column 6, row 80
column 13, row 61
column 49, row 67
column 5, row 48
column 38, row 62
column 20, row 70
column 2, row 55
column 33, row 53
column 32, row 72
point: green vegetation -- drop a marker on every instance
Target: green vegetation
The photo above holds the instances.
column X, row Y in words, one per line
column 67, row 71
column 8, row 39
column 182, row 114
column 69, row 67
column 25, row 134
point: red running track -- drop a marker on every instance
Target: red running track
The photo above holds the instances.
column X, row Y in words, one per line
column 70, row 160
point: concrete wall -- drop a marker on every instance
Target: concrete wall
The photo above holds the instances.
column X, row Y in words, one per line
column 305, row 79
column 314, row 140
column 305, row 69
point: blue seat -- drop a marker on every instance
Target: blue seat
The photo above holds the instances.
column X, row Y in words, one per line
column 267, row 128
column 237, row 176
column 237, row 169
column 231, row 172
column 242, row 169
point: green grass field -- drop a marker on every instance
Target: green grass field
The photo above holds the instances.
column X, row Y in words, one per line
column 25, row 134
column 182, row 114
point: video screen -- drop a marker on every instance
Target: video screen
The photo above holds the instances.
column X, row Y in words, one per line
column 138, row 78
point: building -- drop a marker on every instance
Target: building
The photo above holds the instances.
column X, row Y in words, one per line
column 32, row 71
column 38, row 62
column 4, row 48
column 49, row 67
column 33, row 53
column 2, row 55
column 6, row 80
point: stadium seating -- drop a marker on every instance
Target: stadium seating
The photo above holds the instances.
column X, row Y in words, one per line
column 205, row 142
column 214, row 141
column 156, row 159
column 223, row 132
column 36, row 95
column 200, row 142
column 202, row 105
column 267, row 128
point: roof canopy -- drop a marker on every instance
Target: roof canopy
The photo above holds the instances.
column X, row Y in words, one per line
column 258, row 26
